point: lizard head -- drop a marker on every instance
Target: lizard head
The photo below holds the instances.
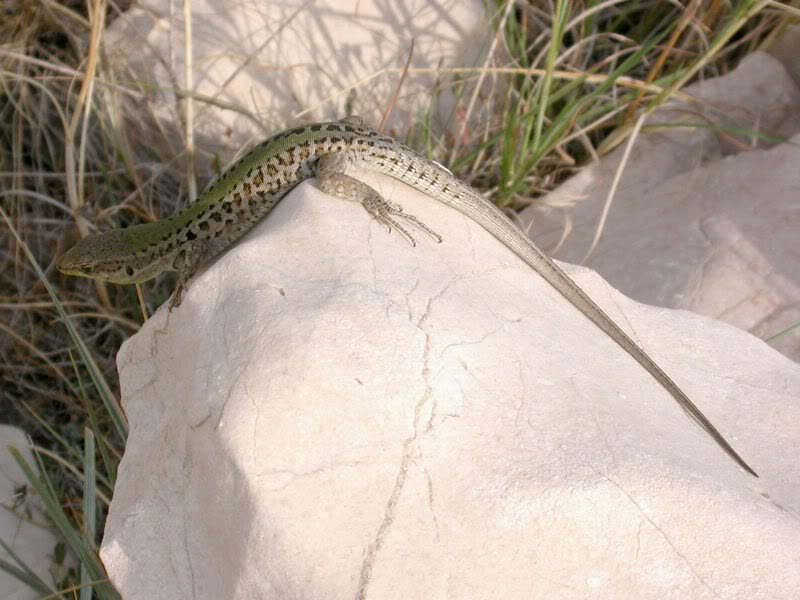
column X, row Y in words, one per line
column 111, row 256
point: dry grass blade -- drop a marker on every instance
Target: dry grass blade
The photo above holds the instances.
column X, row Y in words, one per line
column 81, row 113
column 613, row 189
column 188, row 101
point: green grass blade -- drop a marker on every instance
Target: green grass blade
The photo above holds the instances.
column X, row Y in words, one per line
column 24, row 573
column 89, row 507
column 560, row 19
column 83, row 550
column 109, row 399
column 109, row 462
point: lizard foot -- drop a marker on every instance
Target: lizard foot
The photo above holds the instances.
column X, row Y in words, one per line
column 177, row 296
column 188, row 258
column 334, row 181
column 387, row 213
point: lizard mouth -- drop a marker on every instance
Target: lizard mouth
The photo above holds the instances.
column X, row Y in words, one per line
column 63, row 264
column 66, row 265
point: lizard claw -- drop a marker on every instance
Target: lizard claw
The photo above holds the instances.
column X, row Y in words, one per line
column 383, row 211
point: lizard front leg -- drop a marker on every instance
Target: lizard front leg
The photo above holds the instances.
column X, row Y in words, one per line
column 187, row 260
column 333, row 180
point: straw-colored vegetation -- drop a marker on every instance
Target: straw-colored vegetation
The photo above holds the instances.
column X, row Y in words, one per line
column 575, row 80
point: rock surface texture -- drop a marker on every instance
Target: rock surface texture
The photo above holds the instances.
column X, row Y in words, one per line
column 332, row 413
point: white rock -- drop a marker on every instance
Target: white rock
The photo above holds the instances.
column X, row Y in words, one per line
column 701, row 222
column 20, row 516
column 332, row 413
column 785, row 47
column 269, row 64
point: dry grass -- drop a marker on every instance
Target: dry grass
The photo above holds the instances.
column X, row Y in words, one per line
column 70, row 163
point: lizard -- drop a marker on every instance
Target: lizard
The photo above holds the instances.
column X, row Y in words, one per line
column 248, row 190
